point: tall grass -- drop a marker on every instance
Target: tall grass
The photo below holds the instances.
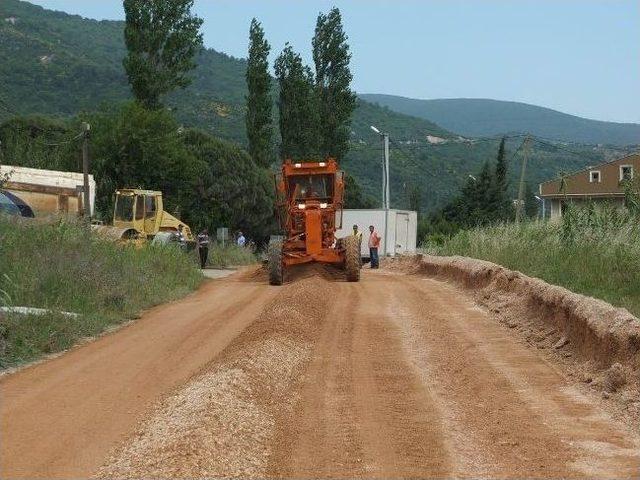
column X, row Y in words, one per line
column 231, row 255
column 62, row 267
column 594, row 251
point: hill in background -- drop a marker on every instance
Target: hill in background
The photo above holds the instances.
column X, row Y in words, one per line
column 479, row 117
column 59, row 64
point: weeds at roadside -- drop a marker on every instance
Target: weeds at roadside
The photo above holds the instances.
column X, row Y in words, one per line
column 231, row 255
column 594, row 251
column 60, row 267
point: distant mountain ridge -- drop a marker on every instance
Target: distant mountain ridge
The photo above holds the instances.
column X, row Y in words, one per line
column 477, row 117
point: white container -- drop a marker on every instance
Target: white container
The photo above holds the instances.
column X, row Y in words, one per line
column 398, row 229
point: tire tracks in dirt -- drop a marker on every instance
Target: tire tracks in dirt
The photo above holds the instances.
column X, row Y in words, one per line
column 361, row 411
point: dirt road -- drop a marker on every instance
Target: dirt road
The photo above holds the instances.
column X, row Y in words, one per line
column 395, row 376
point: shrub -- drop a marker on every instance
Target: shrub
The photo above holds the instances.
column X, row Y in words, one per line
column 231, row 255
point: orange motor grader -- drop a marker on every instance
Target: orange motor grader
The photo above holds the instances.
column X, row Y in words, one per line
column 309, row 198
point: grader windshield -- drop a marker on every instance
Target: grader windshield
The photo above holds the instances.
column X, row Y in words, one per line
column 307, row 187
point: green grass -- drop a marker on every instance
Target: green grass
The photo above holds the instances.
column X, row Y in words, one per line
column 594, row 251
column 231, row 256
column 62, row 267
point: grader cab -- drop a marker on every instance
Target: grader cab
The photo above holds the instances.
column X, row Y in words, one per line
column 309, row 200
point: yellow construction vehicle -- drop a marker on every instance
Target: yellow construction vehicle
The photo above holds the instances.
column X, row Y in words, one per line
column 139, row 215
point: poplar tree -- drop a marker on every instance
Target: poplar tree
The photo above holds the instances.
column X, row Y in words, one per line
column 162, row 39
column 333, row 79
column 500, row 204
column 259, row 123
column 297, row 106
column 501, row 166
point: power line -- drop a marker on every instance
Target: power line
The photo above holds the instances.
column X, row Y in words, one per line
column 63, row 142
column 409, row 156
column 557, row 147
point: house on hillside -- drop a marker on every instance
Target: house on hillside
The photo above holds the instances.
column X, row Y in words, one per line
column 602, row 183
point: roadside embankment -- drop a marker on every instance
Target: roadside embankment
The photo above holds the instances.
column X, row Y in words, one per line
column 599, row 342
column 593, row 251
column 61, row 284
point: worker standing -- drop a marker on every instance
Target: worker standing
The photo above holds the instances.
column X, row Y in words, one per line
column 358, row 235
column 182, row 241
column 241, row 240
column 374, row 244
column 203, row 247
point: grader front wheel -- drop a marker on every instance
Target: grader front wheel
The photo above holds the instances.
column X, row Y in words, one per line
column 352, row 258
column 276, row 272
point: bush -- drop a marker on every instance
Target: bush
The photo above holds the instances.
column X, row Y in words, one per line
column 62, row 267
column 593, row 251
column 231, row 255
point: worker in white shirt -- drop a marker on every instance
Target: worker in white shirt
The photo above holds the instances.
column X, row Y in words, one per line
column 203, row 247
column 241, row 240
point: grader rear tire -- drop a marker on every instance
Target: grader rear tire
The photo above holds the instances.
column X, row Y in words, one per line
column 276, row 271
column 352, row 258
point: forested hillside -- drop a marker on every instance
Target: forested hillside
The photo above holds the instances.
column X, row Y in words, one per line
column 479, row 117
column 57, row 64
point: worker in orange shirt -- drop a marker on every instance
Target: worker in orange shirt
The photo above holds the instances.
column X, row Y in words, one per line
column 374, row 244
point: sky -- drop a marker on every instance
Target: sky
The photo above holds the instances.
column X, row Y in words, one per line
column 576, row 56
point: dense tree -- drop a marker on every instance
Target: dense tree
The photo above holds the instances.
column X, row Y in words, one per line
column 40, row 142
column 210, row 182
column 501, row 165
column 333, row 79
column 162, row 38
column 415, row 198
column 475, row 204
column 136, row 147
column 530, row 202
column 259, row 122
column 297, row 105
column 500, row 204
column 354, row 196
column 232, row 191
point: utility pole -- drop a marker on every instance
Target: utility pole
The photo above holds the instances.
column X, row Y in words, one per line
column 85, row 171
column 525, row 155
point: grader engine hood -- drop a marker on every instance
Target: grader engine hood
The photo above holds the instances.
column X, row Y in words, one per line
column 313, row 231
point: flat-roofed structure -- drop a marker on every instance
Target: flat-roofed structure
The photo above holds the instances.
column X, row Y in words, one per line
column 48, row 191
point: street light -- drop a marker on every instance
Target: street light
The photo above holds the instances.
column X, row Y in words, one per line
column 385, row 169
column 385, row 183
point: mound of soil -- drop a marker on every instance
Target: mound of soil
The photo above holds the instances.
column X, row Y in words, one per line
column 597, row 342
